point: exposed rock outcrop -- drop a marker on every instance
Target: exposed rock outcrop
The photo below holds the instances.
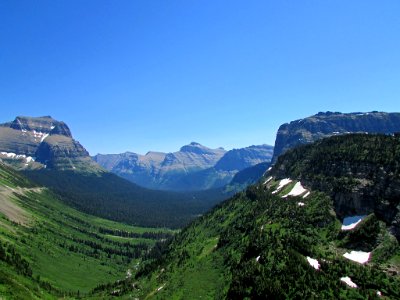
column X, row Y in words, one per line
column 323, row 125
column 45, row 141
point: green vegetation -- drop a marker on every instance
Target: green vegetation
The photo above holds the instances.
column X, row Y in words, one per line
column 360, row 172
column 109, row 196
column 255, row 245
column 59, row 250
column 342, row 163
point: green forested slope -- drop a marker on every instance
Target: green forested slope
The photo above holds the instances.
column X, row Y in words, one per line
column 255, row 245
column 48, row 249
column 360, row 172
column 109, row 196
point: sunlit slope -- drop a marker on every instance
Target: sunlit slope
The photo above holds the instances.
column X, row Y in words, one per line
column 52, row 249
column 282, row 238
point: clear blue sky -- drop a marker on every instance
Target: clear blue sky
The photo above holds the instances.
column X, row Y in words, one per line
column 155, row 75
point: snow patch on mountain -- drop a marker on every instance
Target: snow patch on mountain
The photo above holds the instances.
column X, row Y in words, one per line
column 358, row 256
column 282, row 183
column 39, row 135
column 313, row 263
column 11, row 155
column 347, row 280
column 297, row 190
column 268, row 179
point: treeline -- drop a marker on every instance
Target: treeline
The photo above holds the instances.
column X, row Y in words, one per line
column 9, row 255
column 100, row 246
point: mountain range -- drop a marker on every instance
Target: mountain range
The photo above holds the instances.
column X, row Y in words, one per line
column 46, row 152
column 193, row 167
column 322, row 222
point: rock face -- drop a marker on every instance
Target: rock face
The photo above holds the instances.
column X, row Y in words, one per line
column 323, row 125
column 193, row 167
column 46, row 141
column 359, row 171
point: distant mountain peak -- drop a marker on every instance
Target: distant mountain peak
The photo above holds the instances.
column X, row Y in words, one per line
column 47, row 141
column 197, row 148
column 40, row 125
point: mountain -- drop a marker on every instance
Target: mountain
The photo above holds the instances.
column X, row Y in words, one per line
column 49, row 250
column 326, row 124
column 193, row 167
column 297, row 233
column 156, row 169
column 362, row 178
column 239, row 159
column 248, row 176
column 42, row 142
column 44, row 149
column 314, row 128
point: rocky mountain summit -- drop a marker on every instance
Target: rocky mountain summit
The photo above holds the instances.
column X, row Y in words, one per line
column 38, row 142
column 325, row 124
column 193, row 167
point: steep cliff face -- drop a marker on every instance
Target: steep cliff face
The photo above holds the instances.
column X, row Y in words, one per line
column 360, row 172
column 29, row 142
column 323, row 125
column 63, row 153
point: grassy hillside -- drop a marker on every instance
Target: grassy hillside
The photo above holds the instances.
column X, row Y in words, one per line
column 48, row 249
column 272, row 241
